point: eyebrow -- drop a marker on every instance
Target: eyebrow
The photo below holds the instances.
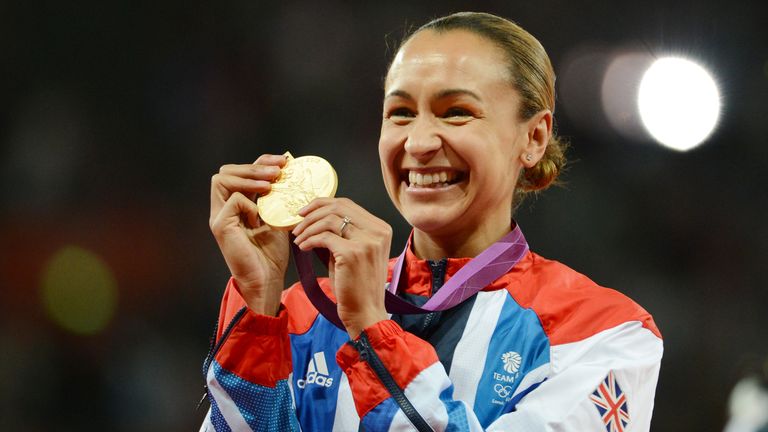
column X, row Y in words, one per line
column 441, row 95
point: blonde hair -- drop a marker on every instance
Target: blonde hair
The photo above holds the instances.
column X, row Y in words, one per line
column 531, row 74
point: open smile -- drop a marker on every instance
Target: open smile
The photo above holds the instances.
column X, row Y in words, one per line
column 436, row 178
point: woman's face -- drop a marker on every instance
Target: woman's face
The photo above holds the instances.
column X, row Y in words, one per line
column 451, row 138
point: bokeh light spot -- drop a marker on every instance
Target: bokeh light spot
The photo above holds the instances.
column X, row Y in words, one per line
column 620, row 87
column 79, row 291
column 679, row 103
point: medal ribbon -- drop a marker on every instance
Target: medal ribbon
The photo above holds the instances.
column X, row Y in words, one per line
column 485, row 268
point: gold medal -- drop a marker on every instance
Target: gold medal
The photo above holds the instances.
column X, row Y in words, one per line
column 300, row 181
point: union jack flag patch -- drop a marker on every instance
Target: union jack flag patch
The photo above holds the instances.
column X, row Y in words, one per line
column 611, row 403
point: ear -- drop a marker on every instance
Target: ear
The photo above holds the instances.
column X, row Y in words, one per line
column 539, row 129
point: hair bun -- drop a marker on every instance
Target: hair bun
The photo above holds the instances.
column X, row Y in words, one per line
column 545, row 172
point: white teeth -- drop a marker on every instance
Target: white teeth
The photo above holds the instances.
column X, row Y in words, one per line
column 433, row 179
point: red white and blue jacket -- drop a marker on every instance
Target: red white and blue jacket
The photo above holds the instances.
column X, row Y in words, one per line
column 543, row 348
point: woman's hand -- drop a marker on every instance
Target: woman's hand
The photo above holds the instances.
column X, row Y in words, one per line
column 257, row 256
column 359, row 257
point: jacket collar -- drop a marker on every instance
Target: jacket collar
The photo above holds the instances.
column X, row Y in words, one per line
column 418, row 275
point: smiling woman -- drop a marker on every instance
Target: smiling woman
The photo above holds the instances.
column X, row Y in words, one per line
column 450, row 111
column 492, row 336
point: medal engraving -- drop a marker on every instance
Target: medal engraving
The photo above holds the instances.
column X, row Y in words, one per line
column 301, row 180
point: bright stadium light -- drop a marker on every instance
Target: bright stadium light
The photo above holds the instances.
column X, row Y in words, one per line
column 679, row 103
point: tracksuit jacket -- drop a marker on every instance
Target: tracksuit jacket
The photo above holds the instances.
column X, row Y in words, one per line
column 542, row 348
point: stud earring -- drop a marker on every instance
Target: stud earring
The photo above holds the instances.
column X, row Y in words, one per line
column 528, row 157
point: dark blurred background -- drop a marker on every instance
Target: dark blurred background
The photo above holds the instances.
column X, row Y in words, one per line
column 116, row 114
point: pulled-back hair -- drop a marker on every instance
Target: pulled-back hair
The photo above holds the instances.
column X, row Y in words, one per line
column 530, row 73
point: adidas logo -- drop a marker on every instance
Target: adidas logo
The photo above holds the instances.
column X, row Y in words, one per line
column 317, row 372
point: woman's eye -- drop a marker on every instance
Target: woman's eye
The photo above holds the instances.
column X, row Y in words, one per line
column 401, row 112
column 457, row 112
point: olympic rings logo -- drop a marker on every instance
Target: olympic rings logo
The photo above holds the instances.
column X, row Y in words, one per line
column 502, row 390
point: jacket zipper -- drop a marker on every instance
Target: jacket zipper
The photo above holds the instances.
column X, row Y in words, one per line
column 216, row 346
column 438, row 270
column 368, row 355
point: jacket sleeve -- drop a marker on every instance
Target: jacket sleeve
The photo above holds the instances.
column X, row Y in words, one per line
column 248, row 370
column 399, row 384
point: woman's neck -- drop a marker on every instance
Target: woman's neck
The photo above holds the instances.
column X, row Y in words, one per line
column 457, row 245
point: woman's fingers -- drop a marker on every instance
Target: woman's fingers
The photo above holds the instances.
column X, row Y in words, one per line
column 236, row 209
column 327, row 215
column 270, row 159
column 337, row 208
column 224, row 186
column 323, row 240
column 330, row 224
column 330, row 204
column 250, row 179
column 252, row 171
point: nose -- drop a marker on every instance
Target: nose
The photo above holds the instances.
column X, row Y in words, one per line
column 423, row 139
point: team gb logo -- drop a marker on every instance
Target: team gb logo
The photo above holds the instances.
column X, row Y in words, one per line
column 511, row 361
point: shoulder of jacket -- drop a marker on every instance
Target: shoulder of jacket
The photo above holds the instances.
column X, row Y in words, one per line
column 570, row 306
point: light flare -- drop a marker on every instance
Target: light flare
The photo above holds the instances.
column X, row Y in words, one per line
column 679, row 103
